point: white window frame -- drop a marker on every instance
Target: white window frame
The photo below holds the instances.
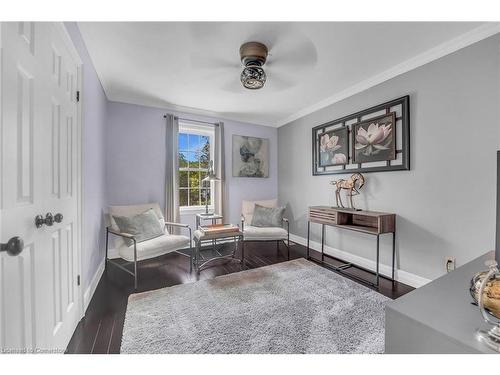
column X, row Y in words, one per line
column 208, row 131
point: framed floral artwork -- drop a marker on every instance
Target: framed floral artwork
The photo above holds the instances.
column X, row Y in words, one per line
column 374, row 139
column 334, row 147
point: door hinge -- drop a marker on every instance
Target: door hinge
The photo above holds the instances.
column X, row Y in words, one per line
column 78, row 280
column 78, row 96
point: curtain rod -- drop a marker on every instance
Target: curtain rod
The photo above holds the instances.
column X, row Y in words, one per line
column 198, row 121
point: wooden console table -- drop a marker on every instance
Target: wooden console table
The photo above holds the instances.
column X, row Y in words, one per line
column 368, row 222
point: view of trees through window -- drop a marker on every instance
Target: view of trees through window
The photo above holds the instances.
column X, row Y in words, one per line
column 194, row 159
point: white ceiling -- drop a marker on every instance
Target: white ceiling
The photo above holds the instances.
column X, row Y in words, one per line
column 195, row 67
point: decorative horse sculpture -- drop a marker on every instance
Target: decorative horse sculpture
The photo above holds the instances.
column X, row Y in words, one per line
column 350, row 185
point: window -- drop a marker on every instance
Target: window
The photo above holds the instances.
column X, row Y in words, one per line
column 195, row 153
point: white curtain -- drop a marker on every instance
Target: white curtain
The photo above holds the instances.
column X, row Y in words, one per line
column 220, row 170
column 172, row 212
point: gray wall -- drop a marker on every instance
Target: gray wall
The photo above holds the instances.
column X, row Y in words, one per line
column 135, row 160
column 94, row 103
column 446, row 203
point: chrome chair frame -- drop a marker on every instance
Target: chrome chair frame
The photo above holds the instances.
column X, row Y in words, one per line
column 132, row 237
column 287, row 243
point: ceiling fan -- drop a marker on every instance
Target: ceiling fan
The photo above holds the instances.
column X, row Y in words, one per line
column 276, row 61
column 253, row 56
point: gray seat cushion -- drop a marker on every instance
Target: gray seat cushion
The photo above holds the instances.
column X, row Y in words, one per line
column 267, row 216
column 143, row 226
column 247, row 208
column 128, row 211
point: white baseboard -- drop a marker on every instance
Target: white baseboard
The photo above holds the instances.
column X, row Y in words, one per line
column 89, row 292
column 386, row 270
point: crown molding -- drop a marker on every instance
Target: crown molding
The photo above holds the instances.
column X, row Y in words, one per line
column 446, row 48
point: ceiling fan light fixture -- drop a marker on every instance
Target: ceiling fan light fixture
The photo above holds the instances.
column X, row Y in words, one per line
column 253, row 77
column 253, row 56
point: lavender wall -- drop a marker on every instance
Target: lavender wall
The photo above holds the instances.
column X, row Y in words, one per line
column 240, row 188
column 94, row 103
column 135, row 159
column 124, row 159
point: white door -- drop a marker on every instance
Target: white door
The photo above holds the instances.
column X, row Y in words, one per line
column 39, row 292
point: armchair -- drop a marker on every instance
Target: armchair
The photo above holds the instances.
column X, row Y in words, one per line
column 264, row 234
column 147, row 249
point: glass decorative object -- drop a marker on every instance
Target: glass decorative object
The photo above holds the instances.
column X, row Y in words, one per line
column 485, row 290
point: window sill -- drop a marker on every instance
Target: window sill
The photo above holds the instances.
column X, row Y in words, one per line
column 194, row 210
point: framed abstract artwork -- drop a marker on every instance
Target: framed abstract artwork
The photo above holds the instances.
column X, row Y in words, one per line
column 250, row 156
column 376, row 139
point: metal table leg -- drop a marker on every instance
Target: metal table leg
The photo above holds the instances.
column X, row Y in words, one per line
column 288, row 245
column 243, row 249
column 191, row 259
column 322, row 242
column 393, row 254
column 201, row 262
column 378, row 260
column 106, row 259
column 240, row 240
column 214, row 241
column 197, row 254
column 308, row 230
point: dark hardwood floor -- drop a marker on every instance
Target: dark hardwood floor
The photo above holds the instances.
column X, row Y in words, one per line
column 100, row 331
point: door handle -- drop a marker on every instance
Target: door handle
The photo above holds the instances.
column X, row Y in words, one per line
column 40, row 220
column 48, row 220
column 13, row 247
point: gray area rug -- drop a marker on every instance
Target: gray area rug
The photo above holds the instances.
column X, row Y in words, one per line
column 291, row 307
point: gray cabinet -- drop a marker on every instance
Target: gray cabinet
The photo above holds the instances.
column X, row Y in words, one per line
column 438, row 317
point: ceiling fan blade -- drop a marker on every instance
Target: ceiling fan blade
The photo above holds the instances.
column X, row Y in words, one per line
column 213, row 62
column 294, row 51
column 234, row 86
column 278, row 82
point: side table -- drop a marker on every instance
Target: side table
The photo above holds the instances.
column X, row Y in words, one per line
column 200, row 237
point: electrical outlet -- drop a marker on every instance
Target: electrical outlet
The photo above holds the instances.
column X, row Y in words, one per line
column 450, row 264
